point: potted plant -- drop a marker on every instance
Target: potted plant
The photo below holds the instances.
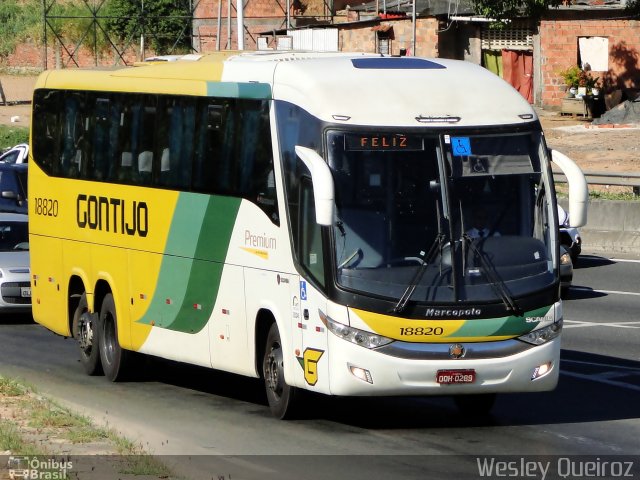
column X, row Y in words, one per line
column 571, row 77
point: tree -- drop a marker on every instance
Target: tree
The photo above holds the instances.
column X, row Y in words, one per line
column 165, row 24
column 633, row 7
column 503, row 10
column 18, row 20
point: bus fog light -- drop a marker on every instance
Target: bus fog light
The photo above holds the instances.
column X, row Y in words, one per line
column 361, row 373
column 541, row 370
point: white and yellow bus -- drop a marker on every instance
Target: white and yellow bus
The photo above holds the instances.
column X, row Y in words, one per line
column 306, row 218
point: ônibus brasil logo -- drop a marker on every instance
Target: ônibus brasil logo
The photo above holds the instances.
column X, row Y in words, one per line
column 37, row 468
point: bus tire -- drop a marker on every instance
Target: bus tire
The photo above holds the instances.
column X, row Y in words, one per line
column 478, row 405
column 84, row 328
column 114, row 359
column 282, row 398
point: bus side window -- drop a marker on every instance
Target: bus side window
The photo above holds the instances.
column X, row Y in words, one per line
column 73, row 141
column 122, row 167
column 101, row 135
column 212, row 120
column 146, row 157
column 46, row 125
column 310, row 249
column 256, row 159
column 175, row 142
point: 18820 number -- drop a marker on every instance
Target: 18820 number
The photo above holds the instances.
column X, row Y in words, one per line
column 421, row 331
column 47, row 207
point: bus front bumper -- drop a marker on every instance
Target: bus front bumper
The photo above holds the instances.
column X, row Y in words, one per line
column 359, row 371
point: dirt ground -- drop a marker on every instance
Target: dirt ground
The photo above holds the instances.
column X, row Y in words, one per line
column 595, row 149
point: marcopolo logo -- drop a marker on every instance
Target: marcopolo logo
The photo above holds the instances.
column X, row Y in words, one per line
column 452, row 312
column 38, row 468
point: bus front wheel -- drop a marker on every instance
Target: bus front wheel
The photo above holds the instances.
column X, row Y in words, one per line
column 114, row 359
column 84, row 328
column 282, row 397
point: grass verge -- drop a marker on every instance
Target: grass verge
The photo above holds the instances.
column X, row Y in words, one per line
column 10, row 136
column 33, row 425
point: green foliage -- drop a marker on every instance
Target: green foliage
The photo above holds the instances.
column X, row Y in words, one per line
column 571, row 76
column 18, row 21
column 576, row 77
column 72, row 21
column 10, row 136
column 633, row 7
column 503, row 10
column 165, row 23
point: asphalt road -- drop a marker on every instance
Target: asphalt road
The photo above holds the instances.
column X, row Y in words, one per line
column 213, row 424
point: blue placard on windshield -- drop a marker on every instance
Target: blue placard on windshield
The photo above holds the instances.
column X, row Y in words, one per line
column 461, row 146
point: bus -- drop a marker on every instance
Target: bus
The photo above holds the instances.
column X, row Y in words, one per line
column 303, row 218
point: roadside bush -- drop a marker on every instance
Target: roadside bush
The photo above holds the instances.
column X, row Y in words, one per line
column 10, row 136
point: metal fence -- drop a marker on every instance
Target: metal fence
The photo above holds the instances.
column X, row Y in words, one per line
column 606, row 178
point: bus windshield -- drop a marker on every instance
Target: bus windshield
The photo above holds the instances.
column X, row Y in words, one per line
column 441, row 217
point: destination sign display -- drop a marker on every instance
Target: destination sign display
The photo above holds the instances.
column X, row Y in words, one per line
column 388, row 142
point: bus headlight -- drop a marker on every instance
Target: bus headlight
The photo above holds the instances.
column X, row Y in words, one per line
column 354, row 335
column 543, row 335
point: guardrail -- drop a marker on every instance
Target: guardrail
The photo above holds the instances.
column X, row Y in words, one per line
column 606, row 178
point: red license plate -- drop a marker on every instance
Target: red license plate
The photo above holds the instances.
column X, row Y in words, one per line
column 449, row 377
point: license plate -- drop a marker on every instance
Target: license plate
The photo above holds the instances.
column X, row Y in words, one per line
column 25, row 292
column 449, row 377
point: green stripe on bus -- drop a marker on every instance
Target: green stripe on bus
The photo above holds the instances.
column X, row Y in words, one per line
column 502, row 326
column 521, row 325
column 259, row 91
column 191, row 269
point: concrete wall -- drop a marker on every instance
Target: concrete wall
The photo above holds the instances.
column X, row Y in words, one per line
column 612, row 226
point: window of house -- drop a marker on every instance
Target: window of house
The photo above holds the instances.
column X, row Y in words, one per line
column 594, row 53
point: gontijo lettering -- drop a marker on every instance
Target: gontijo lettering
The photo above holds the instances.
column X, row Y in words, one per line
column 112, row 215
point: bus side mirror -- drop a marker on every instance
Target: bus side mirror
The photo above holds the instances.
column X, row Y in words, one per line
column 323, row 188
column 578, row 188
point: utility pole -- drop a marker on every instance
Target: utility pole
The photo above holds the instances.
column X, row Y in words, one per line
column 240, row 19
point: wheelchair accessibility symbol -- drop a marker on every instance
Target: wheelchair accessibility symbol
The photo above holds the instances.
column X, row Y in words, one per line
column 461, row 146
column 303, row 290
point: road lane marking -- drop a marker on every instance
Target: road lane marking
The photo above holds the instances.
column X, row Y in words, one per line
column 608, row 292
column 582, row 324
column 599, row 364
column 624, row 260
column 601, row 379
column 608, row 377
column 619, row 260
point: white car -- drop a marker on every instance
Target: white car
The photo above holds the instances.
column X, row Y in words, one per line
column 17, row 154
column 15, row 281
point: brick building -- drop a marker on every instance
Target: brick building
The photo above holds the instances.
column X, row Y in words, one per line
column 530, row 56
column 565, row 32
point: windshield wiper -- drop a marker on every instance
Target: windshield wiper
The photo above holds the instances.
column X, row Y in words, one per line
column 496, row 282
column 417, row 276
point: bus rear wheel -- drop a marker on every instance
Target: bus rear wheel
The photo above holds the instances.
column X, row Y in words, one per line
column 84, row 328
column 282, row 398
column 115, row 360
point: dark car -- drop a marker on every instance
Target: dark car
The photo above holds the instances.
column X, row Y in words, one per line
column 13, row 187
